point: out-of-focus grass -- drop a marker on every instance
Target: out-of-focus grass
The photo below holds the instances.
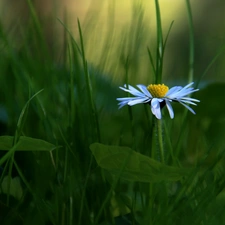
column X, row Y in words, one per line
column 77, row 108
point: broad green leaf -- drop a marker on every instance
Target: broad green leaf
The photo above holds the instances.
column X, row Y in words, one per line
column 12, row 186
column 133, row 166
column 25, row 144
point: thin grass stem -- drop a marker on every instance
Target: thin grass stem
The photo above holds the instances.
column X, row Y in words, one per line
column 89, row 87
column 72, row 101
column 130, row 112
column 190, row 73
column 169, row 144
column 10, row 178
column 22, row 118
column 160, row 139
column 84, row 191
column 192, row 45
column 152, row 62
column 159, row 52
column 113, row 186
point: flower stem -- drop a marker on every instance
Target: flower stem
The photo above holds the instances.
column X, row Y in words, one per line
column 159, row 130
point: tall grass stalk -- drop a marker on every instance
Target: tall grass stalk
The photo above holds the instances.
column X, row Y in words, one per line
column 191, row 41
column 159, row 51
column 190, row 74
column 160, row 139
column 89, row 86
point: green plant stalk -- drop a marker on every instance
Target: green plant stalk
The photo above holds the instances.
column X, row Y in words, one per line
column 35, row 19
column 151, row 129
column 109, row 195
column 70, row 35
column 159, row 52
column 10, row 177
column 160, row 139
column 63, row 216
column 4, row 171
column 159, row 57
column 65, row 169
column 68, row 146
column 110, row 35
column 186, row 185
column 26, row 183
column 181, row 136
column 38, row 28
column 72, row 101
column 152, row 63
column 22, row 118
column 167, row 35
column 151, row 201
column 88, row 82
column 8, row 154
column 129, row 108
column 157, row 131
column 169, row 144
column 190, row 73
column 84, row 190
column 71, row 211
column 192, row 46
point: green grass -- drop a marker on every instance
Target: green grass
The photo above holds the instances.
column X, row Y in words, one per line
column 56, row 175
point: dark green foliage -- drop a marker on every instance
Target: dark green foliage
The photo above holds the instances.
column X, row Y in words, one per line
column 52, row 111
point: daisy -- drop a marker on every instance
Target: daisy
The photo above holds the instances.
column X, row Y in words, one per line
column 159, row 95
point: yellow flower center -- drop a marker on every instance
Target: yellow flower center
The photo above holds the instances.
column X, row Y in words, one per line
column 157, row 90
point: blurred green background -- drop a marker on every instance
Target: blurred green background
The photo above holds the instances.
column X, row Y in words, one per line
column 41, row 48
column 111, row 28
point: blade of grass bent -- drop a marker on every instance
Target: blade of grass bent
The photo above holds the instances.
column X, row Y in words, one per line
column 21, row 120
column 164, row 45
column 94, row 114
column 152, row 62
column 88, row 82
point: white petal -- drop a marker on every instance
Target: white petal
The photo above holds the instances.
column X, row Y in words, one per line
column 138, row 101
column 121, row 104
column 125, row 101
column 188, row 107
column 181, row 94
column 127, row 98
column 185, row 92
column 155, row 103
column 131, row 101
column 187, row 102
column 155, row 107
column 173, row 90
column 188, row 85
column 190, row 99
column 157, row 113
column 144, row 89
column 170, row 109
column 132, row 91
